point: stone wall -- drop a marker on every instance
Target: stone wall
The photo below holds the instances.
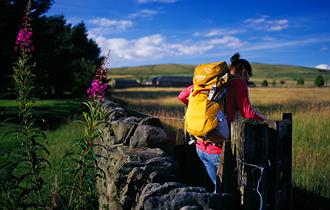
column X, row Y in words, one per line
column 140, row 175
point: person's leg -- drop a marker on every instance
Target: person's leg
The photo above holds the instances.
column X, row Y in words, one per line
column 211, row 163
column 213, row 167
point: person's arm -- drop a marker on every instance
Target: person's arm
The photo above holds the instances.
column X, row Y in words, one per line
column 184, row 95
column 243, row 102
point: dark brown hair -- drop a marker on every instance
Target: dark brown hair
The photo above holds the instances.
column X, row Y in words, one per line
column 239, row 63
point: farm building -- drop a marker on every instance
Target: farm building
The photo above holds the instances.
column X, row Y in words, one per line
column 169, row 81
column 151, row 82
column 123, row 83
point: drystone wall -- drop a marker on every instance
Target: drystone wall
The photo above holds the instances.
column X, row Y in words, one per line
column 139, row 174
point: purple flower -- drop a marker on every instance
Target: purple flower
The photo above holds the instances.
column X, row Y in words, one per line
column 23, row 40
column 99, row 83
column 24, row 37
column 97, row 90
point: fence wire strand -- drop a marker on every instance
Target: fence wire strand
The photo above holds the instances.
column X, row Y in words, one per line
column 259, row 180
column 160, row 117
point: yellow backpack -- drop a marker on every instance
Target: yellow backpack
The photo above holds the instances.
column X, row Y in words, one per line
column 205, row 100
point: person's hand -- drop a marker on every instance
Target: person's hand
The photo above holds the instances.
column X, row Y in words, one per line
column 270, row 123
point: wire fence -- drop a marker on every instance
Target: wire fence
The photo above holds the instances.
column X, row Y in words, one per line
column 261, row 168
column 160, row 117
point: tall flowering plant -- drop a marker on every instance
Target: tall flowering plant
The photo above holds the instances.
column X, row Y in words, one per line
column 97, row 90
column 99, row 84
column 83, row 194
column 24, row 37
column 24, row 188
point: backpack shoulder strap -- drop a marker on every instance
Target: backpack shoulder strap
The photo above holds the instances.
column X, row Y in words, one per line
column 221, row 93
column 232, row 77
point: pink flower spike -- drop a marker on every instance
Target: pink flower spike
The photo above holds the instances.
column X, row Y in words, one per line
column 24, row 36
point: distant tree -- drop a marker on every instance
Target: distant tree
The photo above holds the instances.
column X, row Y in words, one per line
column 274, row 82
column 59, row 47
column 300, row 81
column 141, row 79
column 264, row 83
column 251, row 84
column 282, row 82
column 11, row 13
column 319, row 81
column 59, row 58
column 83, row 72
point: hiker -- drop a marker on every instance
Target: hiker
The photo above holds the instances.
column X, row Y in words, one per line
column 235, row 102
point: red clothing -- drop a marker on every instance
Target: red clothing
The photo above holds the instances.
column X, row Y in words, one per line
column 183, row 96
column 237, row 99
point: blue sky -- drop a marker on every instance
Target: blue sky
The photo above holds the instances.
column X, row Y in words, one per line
column 141, row 32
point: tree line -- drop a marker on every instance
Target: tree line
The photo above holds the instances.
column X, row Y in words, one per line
column 66, row 58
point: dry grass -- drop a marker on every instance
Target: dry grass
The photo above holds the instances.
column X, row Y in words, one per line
column 266, row 96
column 118, row 76
column 148, row 89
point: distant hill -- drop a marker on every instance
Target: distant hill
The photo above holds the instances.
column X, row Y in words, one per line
column 271, row 71
column 155, row 70
column 268, row 72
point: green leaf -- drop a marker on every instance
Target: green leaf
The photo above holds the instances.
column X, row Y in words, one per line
column 42, row 147
column 43, row 160
column 22, row 177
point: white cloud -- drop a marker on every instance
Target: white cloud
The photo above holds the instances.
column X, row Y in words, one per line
column 156, row 47
column 99, row 31
column 264, row 23
column 215, row 32
column 197, row 34
column 143, row 13
column 191, row 49
column 323, row 66
column 115, row 24
column 158, row 1
column 219, row 32
column 142, row 48
column 324, row 48
column 228, row 41
column 281, row 44
column 268, row 38
column 73, row 20
column 148, row 47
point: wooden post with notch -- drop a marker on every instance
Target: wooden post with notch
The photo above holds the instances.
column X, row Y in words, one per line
column 254, row 143
column 250, row 147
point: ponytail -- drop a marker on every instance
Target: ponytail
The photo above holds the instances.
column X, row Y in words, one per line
column 239, row 63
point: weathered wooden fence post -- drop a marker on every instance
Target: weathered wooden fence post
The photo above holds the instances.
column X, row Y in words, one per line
column 281, row 170
column 226, row 171
column 256, row 164
column 250, row 148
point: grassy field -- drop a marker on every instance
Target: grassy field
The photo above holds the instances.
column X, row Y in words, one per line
column 58, row 120
column 311, row 123
column 311, row 128
column 261, row 72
